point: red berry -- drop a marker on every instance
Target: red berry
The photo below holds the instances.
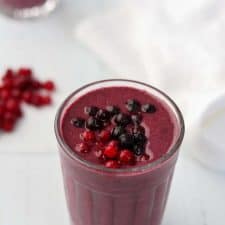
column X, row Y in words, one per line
column 113, row 143
column 126, row 157
column 104, row 135
column 26, row 72
column 112, row 164
column 48, row 85
column 35, row 84
column 9, row 74
column 46, row 100
column 8, row 83
column 9, row 116
column 12, row 105
column 111, row 151
column 36, row 100
column 4, row 94
column 82, row 147
column 15, row 93
column 88, row 136
column 8, row 126
column 21, row 82
column 27, row 96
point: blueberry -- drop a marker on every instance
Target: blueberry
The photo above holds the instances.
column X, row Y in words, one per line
column 93, row 123
column 132, row 105
column 148, row 108
column 78, row 122
column 103, row 115
column 137, row 118
column 138, row 129
column 139, row 138
column 126, row 140
column 91, row 110
column 122, row 119
column 117, row 131
column 139, row 150
column 113, row 110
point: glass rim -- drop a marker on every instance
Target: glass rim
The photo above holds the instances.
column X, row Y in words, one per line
column 150, row 166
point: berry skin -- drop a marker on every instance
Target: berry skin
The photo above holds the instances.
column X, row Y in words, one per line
column 27, row 96
column 78, row 122
column 113, row 143
column 103, row 115
column 137, row 118
column 9, row 74
column 88, row 136
column 139, row 138
column 4, row 94
column 117, row 131
column 91, row 110
column 113, row 110
column 113, row 164
column 104, row 135
column 16, row 93
column 93, row 124
column 111, row 152
column 126, row 140
column 46, row 100
column 26, row 72
column 8, row 126
column 122, row 119
column 133, row 105
column 148, row 108
column 138, row 129
column 138, row 150
column 12, row 105
column 49, row 85
column 126, row 157
column 82, row 147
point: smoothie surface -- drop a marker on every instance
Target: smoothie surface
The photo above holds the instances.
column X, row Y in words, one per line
column 160, row 126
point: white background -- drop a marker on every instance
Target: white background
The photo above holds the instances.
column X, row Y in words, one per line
column 31, row 190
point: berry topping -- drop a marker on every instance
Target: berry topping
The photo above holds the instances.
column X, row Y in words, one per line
column 82, row 147
column 139, row 138
column 91, row 110
column 132, row 105
column 112, row 164
column 126, row 140
column 126, row 157
column 137, row 118
column 117, row 131
column 113, row 143
column 88, row 136
column 122, row 119
column 113, row 110
column 148, row 108
column 93, row 123
column 104, row 135
column 78, row 122
column 103, row 115
column 138, row 129
column 138, row 150
column 111, row 151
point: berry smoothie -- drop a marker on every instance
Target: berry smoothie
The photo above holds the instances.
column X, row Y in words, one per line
column 118, row 143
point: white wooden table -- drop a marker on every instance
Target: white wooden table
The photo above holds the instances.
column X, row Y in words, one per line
column 31, row 190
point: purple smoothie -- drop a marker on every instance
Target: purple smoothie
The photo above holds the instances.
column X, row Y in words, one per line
column 133, row 194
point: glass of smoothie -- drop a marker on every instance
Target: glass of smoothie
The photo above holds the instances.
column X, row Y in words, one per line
column 118, row 142
column 23, row 9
